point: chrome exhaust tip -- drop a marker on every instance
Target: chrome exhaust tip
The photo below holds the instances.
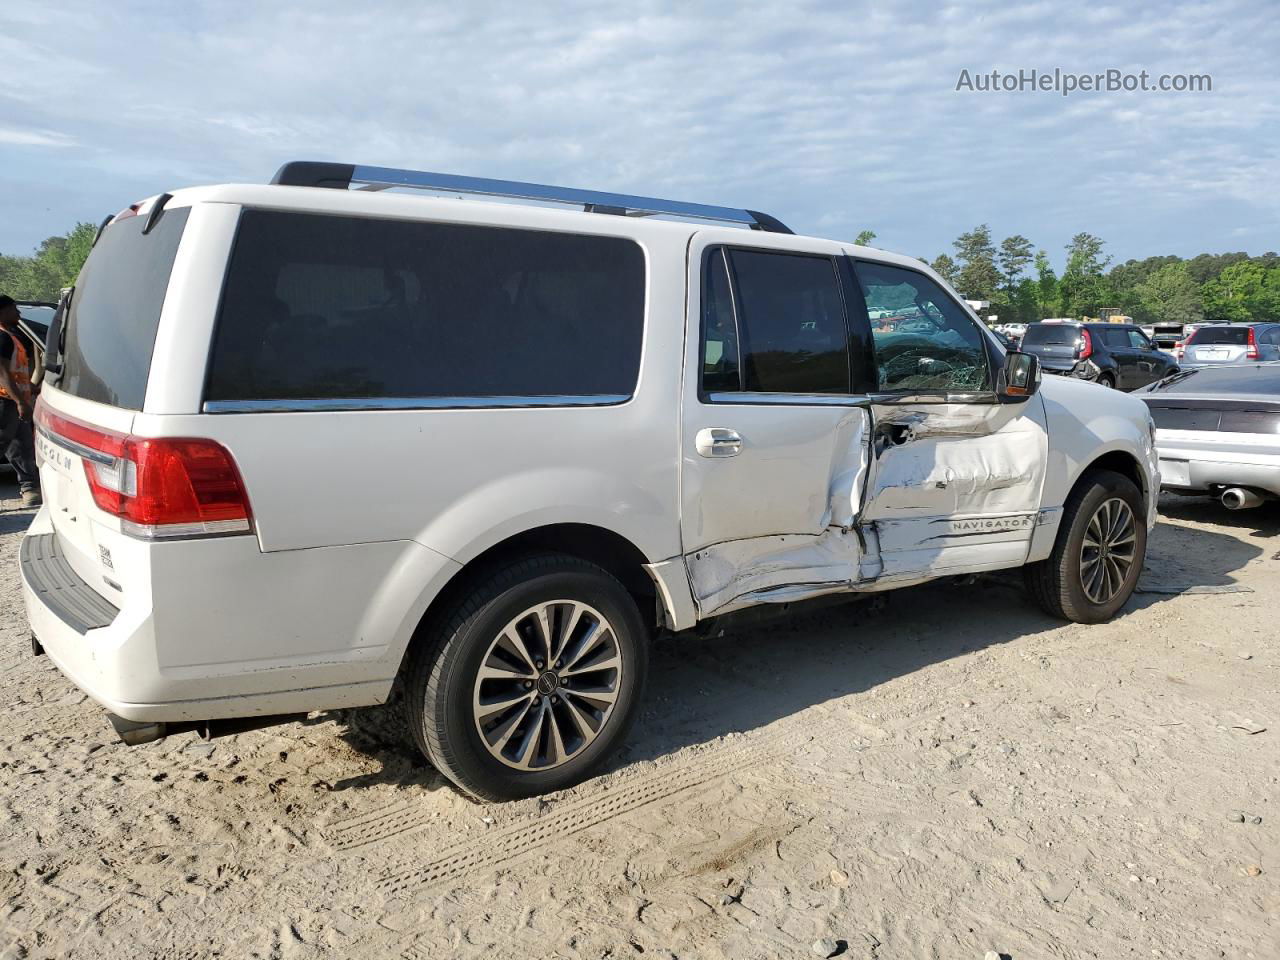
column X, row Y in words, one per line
column 1238, row 498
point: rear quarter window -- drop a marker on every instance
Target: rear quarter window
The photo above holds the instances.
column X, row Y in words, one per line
column 110, row 330
column 1051, row 334
column 320, row 307
column 1237, row 336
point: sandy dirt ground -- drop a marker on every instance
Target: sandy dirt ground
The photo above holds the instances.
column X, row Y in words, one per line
column 941, row 774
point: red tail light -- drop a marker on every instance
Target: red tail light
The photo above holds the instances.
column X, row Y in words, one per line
column 1085, row 348
column 159, row 487
column 1179, row 348
column 1252, row 353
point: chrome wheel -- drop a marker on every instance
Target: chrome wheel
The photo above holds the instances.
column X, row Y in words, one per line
column 547, row 685
column 1107, row 554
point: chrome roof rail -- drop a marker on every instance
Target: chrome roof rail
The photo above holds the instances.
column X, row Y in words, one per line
column 342, row 176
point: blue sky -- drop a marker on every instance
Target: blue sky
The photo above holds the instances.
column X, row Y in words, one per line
column 832, row 117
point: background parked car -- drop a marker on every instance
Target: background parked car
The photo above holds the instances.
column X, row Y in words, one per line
column 1218, row 432
column 1232, row 343
column 1115, row 355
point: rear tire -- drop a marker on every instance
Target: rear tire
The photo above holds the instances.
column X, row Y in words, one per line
column 1106, row 380
column 559, row 640
column 1086, row 583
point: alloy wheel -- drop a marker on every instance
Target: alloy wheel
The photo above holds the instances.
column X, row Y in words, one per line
column 547, row 685
column 1108, row 551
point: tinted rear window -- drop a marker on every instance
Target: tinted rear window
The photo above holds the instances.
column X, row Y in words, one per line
column 792, row 324
column 1051, row 334
column 110, row 330
column 323, row 307
column 1238, row 336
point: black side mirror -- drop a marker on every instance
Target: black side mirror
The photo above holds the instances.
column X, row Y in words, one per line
column 1020, row 378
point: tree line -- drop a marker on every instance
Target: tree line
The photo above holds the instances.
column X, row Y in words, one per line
column 53, row 266
column 1015, row 277
column 1022, row 286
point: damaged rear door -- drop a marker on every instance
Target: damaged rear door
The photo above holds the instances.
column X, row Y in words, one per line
column 775, row 423
column 956, row 475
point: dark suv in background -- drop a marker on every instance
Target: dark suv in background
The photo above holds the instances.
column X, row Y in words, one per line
column 1116, row 355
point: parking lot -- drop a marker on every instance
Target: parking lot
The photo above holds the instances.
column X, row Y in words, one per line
column 940, row 772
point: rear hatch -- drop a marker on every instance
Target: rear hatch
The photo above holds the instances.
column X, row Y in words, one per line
column 1056, row 344
column 1219, row 344
column 96, row 379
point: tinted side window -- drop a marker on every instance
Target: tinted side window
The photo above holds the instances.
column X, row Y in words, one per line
column 335, row 307
column 1138, row 340
column 791, row 323
column 720, row 356
column 115, row 311
column 1115, row 338
column 923, row 339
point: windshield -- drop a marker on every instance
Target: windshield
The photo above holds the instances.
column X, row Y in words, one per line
column 110, row 328
column 1238, row 336
column 1051, row 334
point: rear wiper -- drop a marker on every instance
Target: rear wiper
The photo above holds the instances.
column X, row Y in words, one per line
column 1174, row 378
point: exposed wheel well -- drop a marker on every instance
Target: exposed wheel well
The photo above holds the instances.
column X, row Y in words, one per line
column 597, row 545
column 1124, row 464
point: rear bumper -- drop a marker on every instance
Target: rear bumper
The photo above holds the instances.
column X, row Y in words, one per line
column 216, row 629
column 1080, row 369
column 1191, row 463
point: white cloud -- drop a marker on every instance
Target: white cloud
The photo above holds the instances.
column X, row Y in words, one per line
column 832, row 118
column 35, row 138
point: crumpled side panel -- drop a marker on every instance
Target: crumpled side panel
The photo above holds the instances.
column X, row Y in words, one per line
column 955, row 464
column 725, row 572
column 794, row 565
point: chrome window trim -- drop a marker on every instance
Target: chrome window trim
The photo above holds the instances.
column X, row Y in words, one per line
column 938, row 396
column 339, row 404
column 743, row 397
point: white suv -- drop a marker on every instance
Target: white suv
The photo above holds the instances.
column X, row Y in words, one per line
column 300, row 443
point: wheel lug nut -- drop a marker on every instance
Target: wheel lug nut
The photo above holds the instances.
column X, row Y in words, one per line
column 528, row 684
column 559, row 664
column 555, row 699
column 539, row 663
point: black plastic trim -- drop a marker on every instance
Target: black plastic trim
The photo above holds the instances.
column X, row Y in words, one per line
column 59, row 588
column 768, row 224
column 157, row 211
column 314, row 173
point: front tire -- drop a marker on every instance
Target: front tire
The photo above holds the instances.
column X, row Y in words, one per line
column 1099, row 553
column 533, row 680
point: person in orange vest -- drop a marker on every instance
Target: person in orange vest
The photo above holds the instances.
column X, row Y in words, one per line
column 17, row 354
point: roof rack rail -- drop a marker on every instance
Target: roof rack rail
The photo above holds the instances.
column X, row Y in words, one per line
column 341, row 176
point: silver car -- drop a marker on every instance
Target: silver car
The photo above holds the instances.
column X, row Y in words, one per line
column 1218, row 432
column 1232, row 343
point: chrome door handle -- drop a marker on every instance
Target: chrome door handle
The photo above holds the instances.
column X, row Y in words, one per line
column 718, row 442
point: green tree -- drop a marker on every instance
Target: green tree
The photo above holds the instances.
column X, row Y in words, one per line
column 54, row 265
column 864, row 238
column 1170, row 296
column 1024, row 302
column 1015, row 255
column 1083, row 287
column 945, row 267
column 1245, row 291
column 1209, row 266
column 1048, row 296
column 1126, row 276
column 977, row 277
